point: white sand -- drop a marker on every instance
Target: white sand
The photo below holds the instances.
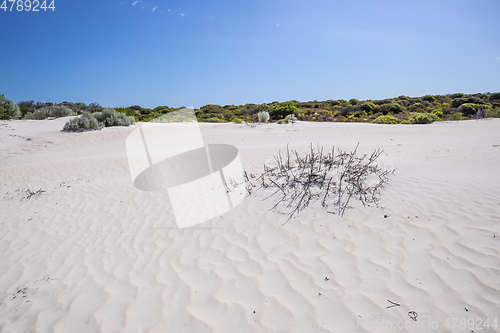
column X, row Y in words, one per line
column 93, row 253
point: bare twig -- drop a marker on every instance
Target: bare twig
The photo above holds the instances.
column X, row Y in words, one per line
column 320, row 176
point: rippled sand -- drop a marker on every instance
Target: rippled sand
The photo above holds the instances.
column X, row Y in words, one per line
column 92, row 253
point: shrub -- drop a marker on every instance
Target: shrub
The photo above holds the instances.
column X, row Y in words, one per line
column 263, row 116
column 280, row 110
column 98, row 120
column 386, row 119
column 291, row 118
column 8, row 110
column 391, row 107
column 405, row 122
column 494, row 96
column 429, row 98
column 367, row 106
column 493, row 113
column 213, row 120
column 50, row 111
column 438, row 113
column 468, row 109
column 86, row 122
column 424, row 118
column 456, row 102
column 457, row 95
column 261, row 107
column 238, row 120
column 110, row 117
column 456, row 116
column 38, row 114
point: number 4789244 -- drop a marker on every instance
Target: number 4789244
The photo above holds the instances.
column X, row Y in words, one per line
column 27, row 5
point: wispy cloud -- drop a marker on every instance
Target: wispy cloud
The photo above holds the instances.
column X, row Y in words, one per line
column 497, row 58
column 151, row 7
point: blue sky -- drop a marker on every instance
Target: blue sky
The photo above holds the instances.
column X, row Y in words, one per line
column 192, row 53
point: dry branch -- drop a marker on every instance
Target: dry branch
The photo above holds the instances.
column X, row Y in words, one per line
column 340, row 177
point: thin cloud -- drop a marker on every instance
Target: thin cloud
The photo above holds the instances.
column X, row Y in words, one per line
column 497, row 58
column 153, row 8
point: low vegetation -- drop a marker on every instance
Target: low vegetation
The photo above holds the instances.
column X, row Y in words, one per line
column 263, row 116
column 397, row 110
column 50, row 111
column 8, row 110
column 98, row 120
column 334, row 179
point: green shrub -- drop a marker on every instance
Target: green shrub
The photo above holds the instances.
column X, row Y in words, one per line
column 493, row 113
column 457, row 95
column 494, row 96
column 468, row 109
column 98, row 120
column 38, row 114
column 212, row 120
column 386, row 119
column 390, row 107
column 238, row 120
column 8, row 110
column 280, row 110
column 50, row 111
column 438, row 113
column 456, row 116
column 405, row 122
column 263, row 116
column 424, row 118
column 110, row 117
column 86, row 122
column 429, row 98
column 367, row 107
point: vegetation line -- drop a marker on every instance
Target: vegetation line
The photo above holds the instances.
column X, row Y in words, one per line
column 398, row 110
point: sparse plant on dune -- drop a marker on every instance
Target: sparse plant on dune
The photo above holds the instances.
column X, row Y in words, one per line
column 332, row 178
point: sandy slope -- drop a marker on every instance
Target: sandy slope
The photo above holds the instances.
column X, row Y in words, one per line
column 92, row 253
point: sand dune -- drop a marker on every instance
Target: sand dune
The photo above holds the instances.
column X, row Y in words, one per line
column 92, row 253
